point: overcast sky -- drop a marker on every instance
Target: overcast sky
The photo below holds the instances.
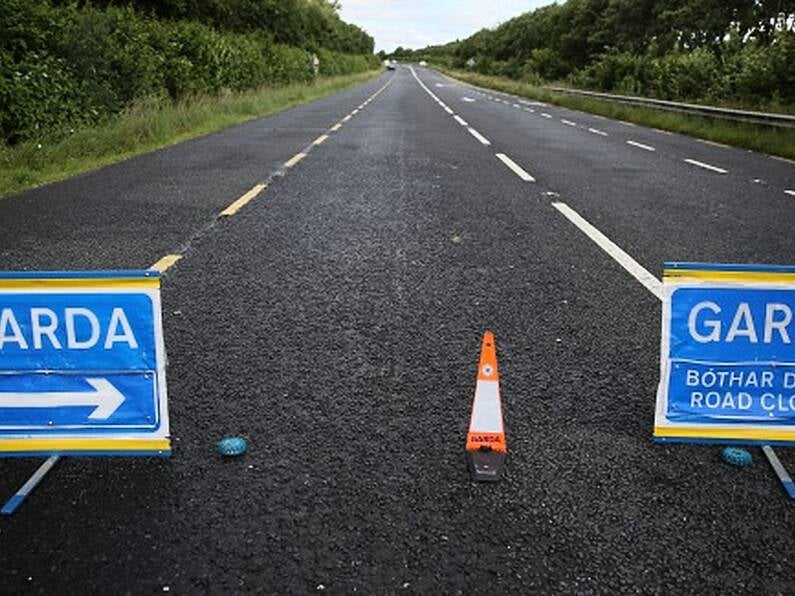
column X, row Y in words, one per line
column 418, row 23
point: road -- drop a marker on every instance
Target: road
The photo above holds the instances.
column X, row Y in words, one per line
column 335, row 319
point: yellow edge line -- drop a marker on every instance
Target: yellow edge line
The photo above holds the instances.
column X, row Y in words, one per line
column 36, row 284
column 320, row 139
column 729, row 276
column 166, row 263
column 725, row 433
column 242, row 201
column 294, row 160
column 84, row 444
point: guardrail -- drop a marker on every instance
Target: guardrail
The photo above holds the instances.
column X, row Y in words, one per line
column 768, row 119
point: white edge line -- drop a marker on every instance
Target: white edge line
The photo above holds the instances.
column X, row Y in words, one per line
column 790, row 192
column 460, row 120
column 596, row 131
column 515, row 168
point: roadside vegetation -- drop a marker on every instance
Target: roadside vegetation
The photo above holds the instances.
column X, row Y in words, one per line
column 77, row 76
column 765, row 139
column 729, row 52
column 151, row 124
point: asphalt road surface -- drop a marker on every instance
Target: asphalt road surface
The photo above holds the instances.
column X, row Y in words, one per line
column 335, row 321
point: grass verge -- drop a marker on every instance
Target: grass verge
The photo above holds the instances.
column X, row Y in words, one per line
column 765, row 139
column 150, row 125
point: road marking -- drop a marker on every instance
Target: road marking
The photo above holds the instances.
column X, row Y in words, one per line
column 336, row 127
column 595, row 131
column 713, row 143
column 460, row 120
column 241, row 202
column 361, row 107
column 294, row 159
column 354, row 112
column 479, row 136
column 654, row 285
column 625, row 123
column 320, row 140
column 665, row 132
column 790, row 192
column 634, row 268
column 348, row 117
column 448, row 110
column 598, row 117
column 706, row 166
column 531, row 110
column 517, row 106
column 568, row 122
column 468, row 99
column 166, row 263
column 515, row 168
column 784, row 159
column 545, row 115
column 641, row 146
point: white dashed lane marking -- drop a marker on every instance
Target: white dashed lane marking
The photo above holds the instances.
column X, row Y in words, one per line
column 706, row 166
column 641, row 146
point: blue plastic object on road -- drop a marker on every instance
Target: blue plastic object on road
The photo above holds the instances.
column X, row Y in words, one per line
column 736, row 457
column 232, row 446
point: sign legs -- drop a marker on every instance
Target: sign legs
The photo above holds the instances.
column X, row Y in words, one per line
column 20, row 496
column 783, row 475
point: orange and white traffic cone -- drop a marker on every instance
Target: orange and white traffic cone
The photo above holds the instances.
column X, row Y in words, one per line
column 486, row 446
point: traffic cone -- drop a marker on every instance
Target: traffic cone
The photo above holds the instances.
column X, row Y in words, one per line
column 486, row 446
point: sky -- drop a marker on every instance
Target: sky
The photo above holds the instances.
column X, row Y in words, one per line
column 419, row 23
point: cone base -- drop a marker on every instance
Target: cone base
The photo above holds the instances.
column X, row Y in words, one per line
column 485, row 466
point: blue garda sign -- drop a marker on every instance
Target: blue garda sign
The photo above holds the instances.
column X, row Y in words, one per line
column 82, row 364
column 727, row 357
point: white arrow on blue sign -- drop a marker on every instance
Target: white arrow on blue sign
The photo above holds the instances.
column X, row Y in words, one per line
column 82, row 364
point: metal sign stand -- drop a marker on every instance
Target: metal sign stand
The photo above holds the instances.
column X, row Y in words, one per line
column 781, row 472
column 75, row 394
column 14, row 502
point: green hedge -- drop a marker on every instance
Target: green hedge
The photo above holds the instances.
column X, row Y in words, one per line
column 63, row 67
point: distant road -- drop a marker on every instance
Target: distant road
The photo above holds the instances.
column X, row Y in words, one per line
column 334, row 315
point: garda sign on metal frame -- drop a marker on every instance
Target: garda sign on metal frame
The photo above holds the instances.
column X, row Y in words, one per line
column 82, row 364
column 727, row 359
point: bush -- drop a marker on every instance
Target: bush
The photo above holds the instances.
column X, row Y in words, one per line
column 66, row 66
